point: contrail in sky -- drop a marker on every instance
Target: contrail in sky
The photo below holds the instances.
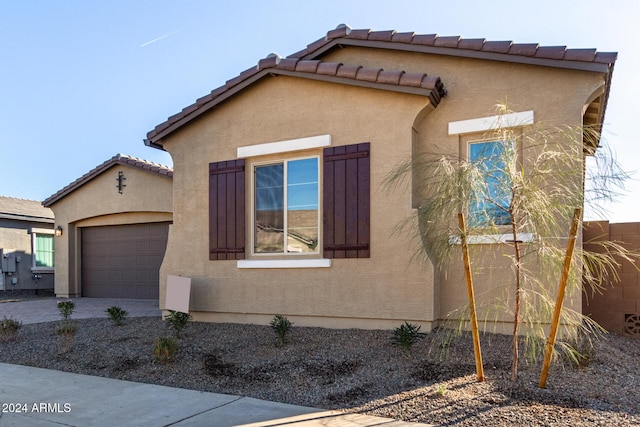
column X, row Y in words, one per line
column 158, row 39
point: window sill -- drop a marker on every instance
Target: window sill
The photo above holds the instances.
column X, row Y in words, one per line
column 285, row 263
column 42, row 269
column 489, row 239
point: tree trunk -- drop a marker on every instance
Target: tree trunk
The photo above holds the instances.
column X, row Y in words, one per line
column 516, row 317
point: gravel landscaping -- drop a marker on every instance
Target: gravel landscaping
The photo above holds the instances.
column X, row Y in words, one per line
column 352, row 370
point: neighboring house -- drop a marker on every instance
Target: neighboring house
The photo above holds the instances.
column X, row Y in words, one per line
column 113, row 224
column 278, row 198
column 26, row 245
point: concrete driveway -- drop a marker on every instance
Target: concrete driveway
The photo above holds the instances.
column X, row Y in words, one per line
column 37, row 310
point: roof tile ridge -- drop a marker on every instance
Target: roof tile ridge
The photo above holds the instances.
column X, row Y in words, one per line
column 359, row 72
column 135, row 160
column 19, row 198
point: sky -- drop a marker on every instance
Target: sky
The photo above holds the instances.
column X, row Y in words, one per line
column 83, row 80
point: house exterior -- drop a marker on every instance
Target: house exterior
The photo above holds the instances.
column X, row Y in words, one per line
column 26, row 245
column 278, row 197
column 113, row 224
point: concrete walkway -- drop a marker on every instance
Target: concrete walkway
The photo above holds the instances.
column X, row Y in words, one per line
column 37, row 310
column 47, row 398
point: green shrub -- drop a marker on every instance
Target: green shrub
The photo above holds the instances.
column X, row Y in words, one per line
column 116, row 314
column 178, row 320
column 281, row 326
column 65, row 333
column 8, row 329
column 406, row 335
column 66, row 308
column 164, row 350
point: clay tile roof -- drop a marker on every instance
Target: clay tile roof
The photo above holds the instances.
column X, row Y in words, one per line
column 349, row 71
column 341, row 30
column 316, row 44
column 24, row 210
column 288, row 63
column 451, row 41
column 605, row 57
column 471, row 44
column 424, row 39
column 402, row 37
column 390, row 77
column 551, row 52
column 382, row 35
column 411, row 79
column 580, row 55
column 530, row 53
column 328, row 68
column 270, row 61
column 359, row 34
column 308, row 61
column 307, row 66
column 497, row 46
column 368, row 74
column 524, row 49
column 118, row 159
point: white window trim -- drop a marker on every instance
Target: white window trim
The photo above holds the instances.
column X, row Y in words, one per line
column 285, row 263
column 284, row 146
column 490, row 123
column 34, row 232
column 488, row 239
column 253, row 210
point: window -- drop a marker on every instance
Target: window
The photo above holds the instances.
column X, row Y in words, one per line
column 286, row 207
column 43, row 249
column 286, row 214
column 489, row 205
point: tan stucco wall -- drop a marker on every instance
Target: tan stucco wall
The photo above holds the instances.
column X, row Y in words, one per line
column 557, row 98
column 147, row 197
column 386, row 288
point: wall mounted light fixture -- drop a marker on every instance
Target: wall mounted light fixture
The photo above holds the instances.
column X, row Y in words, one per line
column 120, row 180
column 58, row 231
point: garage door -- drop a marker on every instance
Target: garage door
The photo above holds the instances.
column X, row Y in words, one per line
column 123, row 261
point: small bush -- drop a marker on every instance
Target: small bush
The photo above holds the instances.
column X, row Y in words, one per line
column 164, row 350
column 8, row 329
column 66, row 308
column 579, row 350
column 116, row 314
column 406, row 335
column 178, row 320
column 281, row 326
column 65, row 333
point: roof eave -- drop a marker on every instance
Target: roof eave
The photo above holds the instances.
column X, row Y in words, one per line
column 155, row 141
column 463, row 53
column 27, row 218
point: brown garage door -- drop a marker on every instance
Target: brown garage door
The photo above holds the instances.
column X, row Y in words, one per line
column 123, row 261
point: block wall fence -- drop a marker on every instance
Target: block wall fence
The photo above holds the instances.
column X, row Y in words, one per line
column 617, row 308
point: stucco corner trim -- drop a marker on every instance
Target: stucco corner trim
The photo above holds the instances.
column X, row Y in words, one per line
column 285, row 263
column 488, row 239
column 493, row 122
column 285, row 146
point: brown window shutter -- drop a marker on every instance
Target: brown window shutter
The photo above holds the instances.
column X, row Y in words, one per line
column 346, row 207
column 226, row 210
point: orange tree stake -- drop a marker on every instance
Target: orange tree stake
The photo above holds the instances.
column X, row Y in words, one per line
column 472, row 301
column 561, row 288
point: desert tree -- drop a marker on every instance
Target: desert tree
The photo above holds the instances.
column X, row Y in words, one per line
column 518, row 186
